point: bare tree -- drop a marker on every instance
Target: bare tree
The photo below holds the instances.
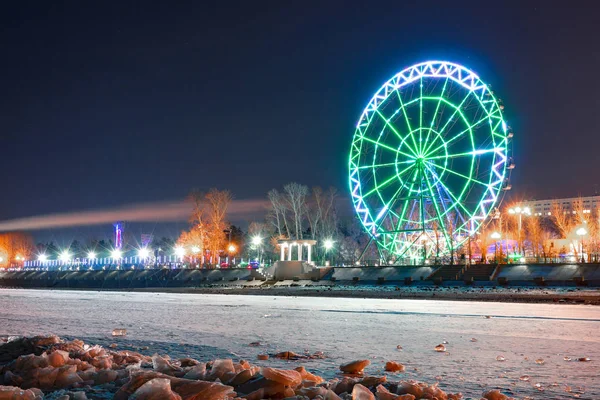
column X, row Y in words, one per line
column 217, row 202
column 296, row 198
column 562, row 219
column 535, row 233
column 13, row 245
column 278, row 213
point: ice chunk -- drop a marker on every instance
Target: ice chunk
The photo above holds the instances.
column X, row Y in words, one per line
column 494, row 395
column 155, row 389
column 354, row 367
column 393, row 366
column 359, row 392
column 119, row 332
column 285, row 377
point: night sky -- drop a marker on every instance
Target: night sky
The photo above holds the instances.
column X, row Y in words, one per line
column 107, row 105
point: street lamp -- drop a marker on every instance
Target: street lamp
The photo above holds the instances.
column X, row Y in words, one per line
column 581, row 232
column 520, row 212
column 496, row 236
column 328, row 244
column 42, row 257
column 143, row 253
column 256, row 242
column 65, row 256
column 116, row 254
column 180, row 252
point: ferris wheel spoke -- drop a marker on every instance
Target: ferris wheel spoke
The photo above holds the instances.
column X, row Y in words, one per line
column 385, row 146
column 403, row 107
column 456, row 110
column 466, row 154
column 451, row 171
column 385, row 164
column 391, row 126
column 439, row 216
column 457, row 136
column 437, row 107
column 387, row 182
column 457, row 201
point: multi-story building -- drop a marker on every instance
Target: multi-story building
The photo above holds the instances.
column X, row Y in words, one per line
column 544, row 207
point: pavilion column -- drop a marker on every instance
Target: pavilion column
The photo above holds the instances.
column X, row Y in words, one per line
column 282, row 258
column 289, row 252
column 309, row 247
column 299, row 251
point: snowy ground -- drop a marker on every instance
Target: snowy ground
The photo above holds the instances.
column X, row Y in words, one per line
column 206, row 326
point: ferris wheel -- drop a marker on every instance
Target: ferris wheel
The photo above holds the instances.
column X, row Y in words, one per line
column 429, row 160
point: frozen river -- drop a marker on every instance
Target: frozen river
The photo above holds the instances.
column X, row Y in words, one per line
column 209, row 326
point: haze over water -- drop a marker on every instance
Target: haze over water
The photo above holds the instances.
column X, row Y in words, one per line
column 344, row 329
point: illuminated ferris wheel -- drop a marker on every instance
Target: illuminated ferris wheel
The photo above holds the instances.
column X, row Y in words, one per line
column 429, row 160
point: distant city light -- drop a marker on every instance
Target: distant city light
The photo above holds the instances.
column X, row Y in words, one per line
column 91, row 255
column 179, row 251
column 65, row 256
column 42, row 257
column 143, row 253
column 116, row 254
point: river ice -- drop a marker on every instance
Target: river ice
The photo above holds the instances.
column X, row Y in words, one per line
column 209, row 326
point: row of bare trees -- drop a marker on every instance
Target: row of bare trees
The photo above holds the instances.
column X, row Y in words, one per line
column 299, row 213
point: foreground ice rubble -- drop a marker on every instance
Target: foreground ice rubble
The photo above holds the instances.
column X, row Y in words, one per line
column 50, row 368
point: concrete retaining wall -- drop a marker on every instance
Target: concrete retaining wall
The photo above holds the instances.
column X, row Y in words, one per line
column 374, row 274
column 553, row 274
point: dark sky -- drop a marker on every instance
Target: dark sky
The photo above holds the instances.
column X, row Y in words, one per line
column 105, row 105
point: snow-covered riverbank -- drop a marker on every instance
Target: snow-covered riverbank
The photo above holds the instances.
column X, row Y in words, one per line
column 206, row 327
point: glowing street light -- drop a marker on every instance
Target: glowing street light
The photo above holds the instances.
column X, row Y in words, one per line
column 581, row 232
column 328, row 244
column 231, row 248
column 496, row 236
column 143, row 253
column 42, row 257
column 65, row 256
column 91, row 255
column 256, row 242
column 195, row 249
column 179, row 251
column 116, row 254
column 520, row 212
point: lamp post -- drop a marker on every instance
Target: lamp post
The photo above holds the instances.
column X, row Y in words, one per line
column 328, row 246
column 496, row 236
column 231, row 249
column 520, row 212
column 581, row 232
column 256, row 242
